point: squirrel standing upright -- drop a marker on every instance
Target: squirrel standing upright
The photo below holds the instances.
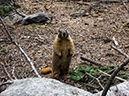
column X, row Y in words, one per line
column 63, row 49
column 62, row 53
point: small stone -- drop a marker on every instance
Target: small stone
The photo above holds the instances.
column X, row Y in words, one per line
column 86, row 23
column 95, row 24
column 99, row 14
column 105, row 10
column 86, row 14
column 52, row 11
column 100, row 19
column 89, row 16
column 109, row 6
column 34, row 4
column 96, row 15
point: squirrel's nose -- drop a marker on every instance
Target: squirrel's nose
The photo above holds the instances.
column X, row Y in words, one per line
column 63, row 34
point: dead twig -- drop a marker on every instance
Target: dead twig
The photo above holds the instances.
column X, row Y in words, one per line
column 3, row 40
column 102, row 76
column 21, row 14
column 89, row 85
column 120, row 51
column 107, row 73
column 114, row 40
column 22, row 51
column 110, row 75
column 7, row 32
column 13, row 74
column 91, row 61
column 94, row 78
column 8, row 75
column 125, row 6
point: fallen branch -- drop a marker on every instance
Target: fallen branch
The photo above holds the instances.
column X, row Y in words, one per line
column 22, row 51
column 125, row 6
column 8, row 75
column 114, row 40
column 90, row 85
column 7, row 32
column 94, row 78
column 107, row 86
column 21, row 14
column 102, row 75
column 110, row 75
column 91, row 61
column 3, row 40
column 120, row 51
column 13, row 74
column 107, row 73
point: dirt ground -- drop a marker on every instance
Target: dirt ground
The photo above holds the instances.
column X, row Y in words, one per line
column 92, row 36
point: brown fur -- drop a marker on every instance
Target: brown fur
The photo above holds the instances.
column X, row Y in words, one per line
column 62, row 54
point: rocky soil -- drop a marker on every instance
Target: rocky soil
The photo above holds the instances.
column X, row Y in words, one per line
column 92, row 36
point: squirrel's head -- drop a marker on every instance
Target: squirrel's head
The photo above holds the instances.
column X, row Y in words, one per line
column 62, row 33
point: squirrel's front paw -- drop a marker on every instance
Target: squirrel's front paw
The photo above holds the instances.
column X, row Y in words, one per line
column 59, row 54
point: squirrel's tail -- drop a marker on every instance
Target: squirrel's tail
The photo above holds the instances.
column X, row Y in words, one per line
column 46, row 70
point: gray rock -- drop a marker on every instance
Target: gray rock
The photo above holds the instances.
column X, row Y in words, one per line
column 42, row 87
column 52, row 87
column 12, row 19
column 35, row 18
column 123, row 90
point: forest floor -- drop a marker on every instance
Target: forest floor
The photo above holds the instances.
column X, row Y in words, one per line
column 92, row 36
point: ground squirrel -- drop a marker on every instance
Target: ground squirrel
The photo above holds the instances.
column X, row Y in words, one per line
column 62, row 53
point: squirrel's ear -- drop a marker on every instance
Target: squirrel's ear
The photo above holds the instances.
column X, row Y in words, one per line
column 59, row 31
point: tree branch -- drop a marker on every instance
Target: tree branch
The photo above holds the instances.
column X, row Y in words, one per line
column 3, row 40
column 10, row 37
column 110, row 75
column 94, row 78
column 91, row 61
column 120, row 51
column 22, row 51
column 13, row 74
column 107, row 86
column 21, row 14
column 125, row 5
column 8, row 75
